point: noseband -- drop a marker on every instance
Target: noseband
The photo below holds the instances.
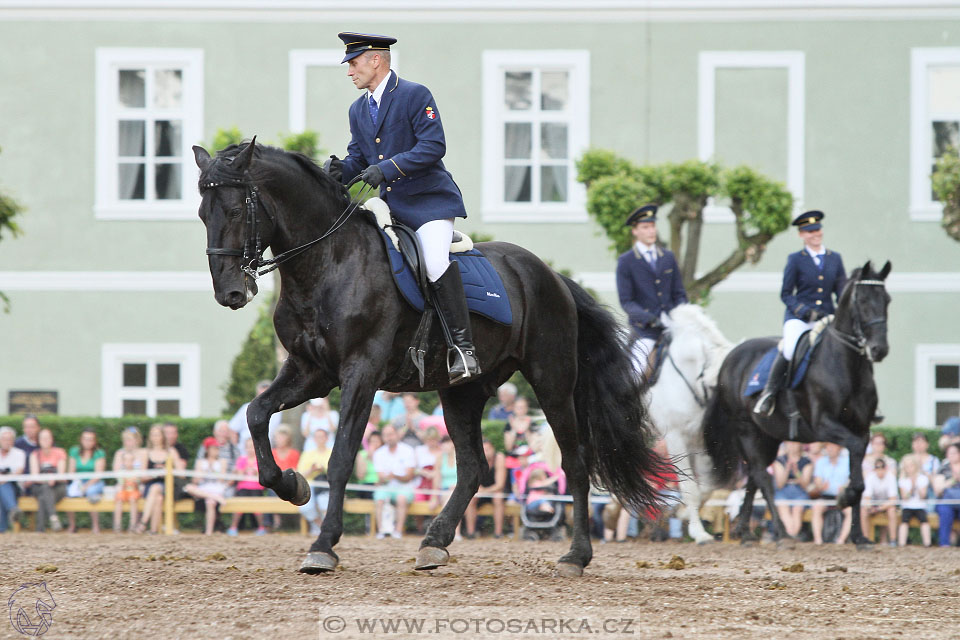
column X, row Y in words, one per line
column 857, row 341
column 252, row 261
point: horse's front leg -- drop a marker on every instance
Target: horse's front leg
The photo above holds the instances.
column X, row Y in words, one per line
column 851, row 496
column 292, row 386
column 355, row 404
column 689, row 489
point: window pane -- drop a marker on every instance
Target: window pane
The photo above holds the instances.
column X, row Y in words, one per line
column 167, row 88
column 553, row 90
column 167, row 177
column 553, row 184
column 134, row 407
column 944, row 89
column 134, row 375
column 168, row 407
column 132, row 91
column 947, row 376
column 553, row 141
column 167, row 135
column 516, row 184
column 130, row 182
column 947, row 410
column 168, row 375
column 945, row 136
column 130, row 138
column 518, row 90
column 517, row 141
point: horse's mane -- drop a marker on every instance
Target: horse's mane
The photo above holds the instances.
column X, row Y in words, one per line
column 264, row 153
column 692, row 316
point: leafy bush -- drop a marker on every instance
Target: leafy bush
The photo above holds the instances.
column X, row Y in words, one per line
column 256, row 361
column 899, row 440
column 946, row 185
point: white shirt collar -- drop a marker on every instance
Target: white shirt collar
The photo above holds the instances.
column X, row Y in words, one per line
column 822, row 251
column 378, row 92
column 644, row 248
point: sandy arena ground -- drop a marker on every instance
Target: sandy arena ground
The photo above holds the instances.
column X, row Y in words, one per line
column 157, row 587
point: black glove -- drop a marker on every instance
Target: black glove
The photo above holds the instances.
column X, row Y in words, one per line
column 372, row 175
column 334, row 166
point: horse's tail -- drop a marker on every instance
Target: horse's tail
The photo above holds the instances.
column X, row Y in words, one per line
column 613, row 426
column 720, row 440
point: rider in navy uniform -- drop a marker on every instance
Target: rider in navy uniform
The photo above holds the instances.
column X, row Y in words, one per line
column 649, row 282
column 811, row 279
column 396, row 144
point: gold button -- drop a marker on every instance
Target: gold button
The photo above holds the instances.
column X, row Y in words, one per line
column 389, row 188
column 658, row 282
column 819, row 277
column 818, row 302
column 819, row 289
column 660, row 294
column 381, row 156
column 378, row 140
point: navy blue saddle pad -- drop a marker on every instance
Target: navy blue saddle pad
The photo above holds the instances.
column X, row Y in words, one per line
column 482, row 285
column 758, row 379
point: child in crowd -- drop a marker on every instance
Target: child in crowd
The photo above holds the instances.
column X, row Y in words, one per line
column 880, row 487
column 913, row 490
column 129, row 490
column 209, row 488
column 248, row 487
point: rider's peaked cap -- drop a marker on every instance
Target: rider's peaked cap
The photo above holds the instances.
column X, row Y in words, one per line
column 357, row 43
column 809, row 221
column 646, row 213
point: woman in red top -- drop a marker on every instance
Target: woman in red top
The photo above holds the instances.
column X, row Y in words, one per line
column 285, row 456
column 48, row 459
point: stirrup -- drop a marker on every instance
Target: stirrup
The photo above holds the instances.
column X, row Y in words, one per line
column 765, row 397
column 460, row 357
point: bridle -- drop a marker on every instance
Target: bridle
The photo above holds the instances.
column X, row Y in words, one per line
column 857, row 341
column 252, row 261
column 702, row 403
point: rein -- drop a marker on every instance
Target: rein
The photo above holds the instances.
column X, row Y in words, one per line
column 700, row 403
column 857, row 341
column 253, row 264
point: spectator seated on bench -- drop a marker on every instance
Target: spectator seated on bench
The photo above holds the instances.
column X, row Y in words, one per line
column 913, row 487
column 85, row 457
column 12, row 460
column 249, row 487
column 48, row 459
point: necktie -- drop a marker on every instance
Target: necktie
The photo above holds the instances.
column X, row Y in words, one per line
column 374, row 109
column 652, row 259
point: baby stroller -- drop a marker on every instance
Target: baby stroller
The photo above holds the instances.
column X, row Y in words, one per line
column 542, row 518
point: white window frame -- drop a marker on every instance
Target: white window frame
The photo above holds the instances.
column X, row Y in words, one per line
column 300, row 60
column 922, row 207
column 925, row 395
column 113, row 357
column 495, row 63
column 795, row 64
column 109, row 61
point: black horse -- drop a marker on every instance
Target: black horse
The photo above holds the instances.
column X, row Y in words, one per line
column 343, row 322
column 836, row 400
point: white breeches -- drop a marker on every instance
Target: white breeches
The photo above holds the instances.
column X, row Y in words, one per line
column 435, row 238
column 641, row 352
column 792, row 329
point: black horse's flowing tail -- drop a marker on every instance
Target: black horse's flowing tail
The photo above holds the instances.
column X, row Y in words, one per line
column 721, row 441
column 615, row 432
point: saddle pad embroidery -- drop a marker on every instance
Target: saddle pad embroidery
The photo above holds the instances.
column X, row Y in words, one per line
column 482, row 285
column 758, row 379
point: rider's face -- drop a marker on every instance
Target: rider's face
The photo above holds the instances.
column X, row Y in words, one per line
column 363, row 70
column 645, row 232
column 812, row 239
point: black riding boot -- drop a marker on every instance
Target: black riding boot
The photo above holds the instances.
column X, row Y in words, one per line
column 768, row 399
column 451, row 306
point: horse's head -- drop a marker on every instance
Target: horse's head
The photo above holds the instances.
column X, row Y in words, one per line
column 237, row 228
column 697, row 342
column 863, row 306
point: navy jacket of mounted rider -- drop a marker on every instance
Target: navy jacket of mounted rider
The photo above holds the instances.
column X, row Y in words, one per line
column 644, row 290
column 808, row 287
column 408, row 145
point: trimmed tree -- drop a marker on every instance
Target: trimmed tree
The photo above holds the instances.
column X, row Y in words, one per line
column 9, row 209
column 946, row 186
column 761, row 207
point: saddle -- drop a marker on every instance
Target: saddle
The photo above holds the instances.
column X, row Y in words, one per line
column 656, row 358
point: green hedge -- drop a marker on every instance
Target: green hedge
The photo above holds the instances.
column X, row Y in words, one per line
column 899, row 440
column 66, row 429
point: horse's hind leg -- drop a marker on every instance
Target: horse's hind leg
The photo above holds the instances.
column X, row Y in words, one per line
column 689, row 490
column 462, row 412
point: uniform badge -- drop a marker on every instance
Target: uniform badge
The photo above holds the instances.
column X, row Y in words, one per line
column 430, row 114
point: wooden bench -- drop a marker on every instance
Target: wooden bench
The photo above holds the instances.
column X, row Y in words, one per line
column 368, row 507
column 28, row 504
column 875, row 520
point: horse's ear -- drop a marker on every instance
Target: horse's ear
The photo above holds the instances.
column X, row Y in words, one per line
column 885, row 271
column 202, row 157
column 245, row 157
column 866, row 270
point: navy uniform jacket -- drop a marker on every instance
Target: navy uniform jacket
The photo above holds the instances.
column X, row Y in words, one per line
column 407, row 143
column 807, row 287
column 645, row 293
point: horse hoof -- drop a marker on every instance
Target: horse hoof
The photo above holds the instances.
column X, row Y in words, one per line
column 431, row 558
column 318, row 562
column 703, row 541
column 569, row 570
column 302, row 496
